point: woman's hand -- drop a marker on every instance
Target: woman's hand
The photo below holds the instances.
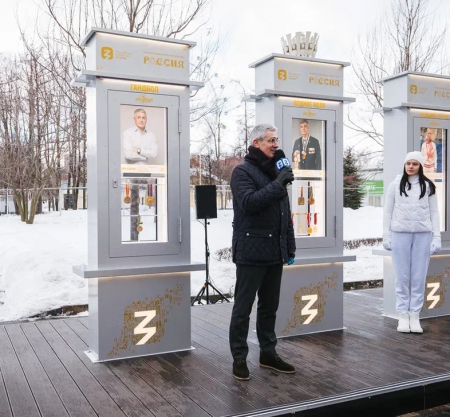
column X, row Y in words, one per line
column 435, row 246
column 387, row 242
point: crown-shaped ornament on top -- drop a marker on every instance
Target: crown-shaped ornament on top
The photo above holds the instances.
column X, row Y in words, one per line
column 300, row 44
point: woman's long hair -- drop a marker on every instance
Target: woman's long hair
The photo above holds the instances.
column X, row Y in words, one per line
column 422, row 181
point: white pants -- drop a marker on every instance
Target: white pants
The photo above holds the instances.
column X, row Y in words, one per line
column 411, row 257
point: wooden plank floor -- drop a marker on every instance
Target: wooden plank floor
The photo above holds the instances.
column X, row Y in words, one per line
column 44, row 371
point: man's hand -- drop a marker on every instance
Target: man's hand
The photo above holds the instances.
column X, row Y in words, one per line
column 285, row 176
column 291, row 259
column 296, row 153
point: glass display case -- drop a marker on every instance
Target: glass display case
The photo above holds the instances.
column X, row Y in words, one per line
column 308, row 189
column 431, row 140
column 308, row 137
column 144, row 216
column 143, row 173
column 144, row 145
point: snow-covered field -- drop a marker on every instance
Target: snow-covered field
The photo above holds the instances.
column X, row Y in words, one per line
column 36, row 263
column 36, row 260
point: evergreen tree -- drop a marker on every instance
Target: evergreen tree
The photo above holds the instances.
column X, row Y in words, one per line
column 352, row 181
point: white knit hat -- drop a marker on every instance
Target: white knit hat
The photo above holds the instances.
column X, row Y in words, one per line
column 417, row 156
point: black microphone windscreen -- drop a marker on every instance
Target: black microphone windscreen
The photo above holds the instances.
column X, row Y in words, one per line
column 279, row 154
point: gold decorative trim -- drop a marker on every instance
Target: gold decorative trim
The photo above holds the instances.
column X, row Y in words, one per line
column 440, row 278
column 309, row 113
column 142, row 99
column 322, row 291
column 161, row 304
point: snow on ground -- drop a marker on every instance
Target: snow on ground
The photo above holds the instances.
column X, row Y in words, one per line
column 223, row 274
column 364, row 223
column 36, row 260
column 36, row 263
column 367, row 222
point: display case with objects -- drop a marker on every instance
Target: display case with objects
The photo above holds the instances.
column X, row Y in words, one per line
column 304, row 98
column 416, row 116
column 139, row 260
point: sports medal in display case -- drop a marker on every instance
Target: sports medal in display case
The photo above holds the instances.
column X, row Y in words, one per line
column 127, row 199
column 301, row 199
column 309, row 230
column 150, row 199
column 311, row 200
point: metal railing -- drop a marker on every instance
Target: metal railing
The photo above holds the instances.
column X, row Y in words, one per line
column 224, row 197
column 65, row 200
column 372, row 196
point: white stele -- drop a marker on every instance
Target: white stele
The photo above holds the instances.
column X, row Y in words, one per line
column 301, row 44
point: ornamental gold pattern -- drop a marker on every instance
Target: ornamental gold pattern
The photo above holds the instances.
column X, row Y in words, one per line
column 161, row 304
column 442, row 279
column 322, row 291
column 143, row 99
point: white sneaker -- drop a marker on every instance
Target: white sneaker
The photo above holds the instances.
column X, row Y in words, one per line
column 403, row 323
column 414, row 322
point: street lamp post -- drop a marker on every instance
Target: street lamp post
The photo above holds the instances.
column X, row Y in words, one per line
column 245, row 114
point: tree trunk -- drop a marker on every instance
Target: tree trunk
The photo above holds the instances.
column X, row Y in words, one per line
column 84, row 197
column 39, row 206
column 75, row 196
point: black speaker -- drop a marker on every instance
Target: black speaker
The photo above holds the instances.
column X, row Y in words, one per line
column 205, row 201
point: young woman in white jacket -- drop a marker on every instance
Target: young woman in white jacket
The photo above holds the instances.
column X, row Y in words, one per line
column 411, row 229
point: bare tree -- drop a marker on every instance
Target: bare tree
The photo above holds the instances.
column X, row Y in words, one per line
column 43, row 119
column 213, row 124
column 27, row 131
column 408, row 39
column 172, row 19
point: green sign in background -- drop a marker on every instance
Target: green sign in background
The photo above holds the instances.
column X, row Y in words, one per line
column 374, row 187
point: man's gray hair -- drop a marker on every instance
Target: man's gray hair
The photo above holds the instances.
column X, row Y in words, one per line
column 304, row 121
column 259, row 131
column 140, row 111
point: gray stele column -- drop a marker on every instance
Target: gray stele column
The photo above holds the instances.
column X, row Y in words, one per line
column 139, row 292
column 288, row 88
column 414, row 101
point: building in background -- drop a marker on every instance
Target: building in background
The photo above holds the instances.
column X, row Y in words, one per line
column 373, row 187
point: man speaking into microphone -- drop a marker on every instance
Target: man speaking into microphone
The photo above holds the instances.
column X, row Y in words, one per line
column 263, row 240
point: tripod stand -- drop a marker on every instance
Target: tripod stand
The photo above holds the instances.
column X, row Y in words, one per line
column 208, row 283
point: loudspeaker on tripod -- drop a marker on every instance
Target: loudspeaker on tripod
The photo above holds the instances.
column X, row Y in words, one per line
column 205, row 202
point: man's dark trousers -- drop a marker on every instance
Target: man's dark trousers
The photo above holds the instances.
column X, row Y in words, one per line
column 266, row 281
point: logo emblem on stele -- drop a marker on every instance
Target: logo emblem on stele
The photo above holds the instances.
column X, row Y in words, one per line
column 107, row 53
column 283, row 162
column 413, row 89
column 282, row 75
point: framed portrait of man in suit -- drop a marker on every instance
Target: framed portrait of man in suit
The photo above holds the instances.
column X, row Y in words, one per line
column 308, row 144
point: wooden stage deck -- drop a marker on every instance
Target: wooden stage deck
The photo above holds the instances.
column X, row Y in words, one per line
column 44, row 371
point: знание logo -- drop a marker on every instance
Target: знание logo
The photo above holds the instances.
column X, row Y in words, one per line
column 282, row 75
column 107, row 53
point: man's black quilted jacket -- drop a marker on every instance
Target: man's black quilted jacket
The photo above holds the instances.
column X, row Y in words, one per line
column 262, row 227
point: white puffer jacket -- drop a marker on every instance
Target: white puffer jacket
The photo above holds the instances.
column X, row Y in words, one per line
column 410, row 214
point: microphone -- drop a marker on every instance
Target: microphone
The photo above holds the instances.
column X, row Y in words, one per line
column 281, row 161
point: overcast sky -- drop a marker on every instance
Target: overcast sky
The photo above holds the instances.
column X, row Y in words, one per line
column 251, row 29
